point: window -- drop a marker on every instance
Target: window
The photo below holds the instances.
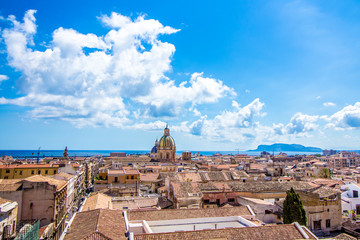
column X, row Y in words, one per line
column 317, row 225
column 46, row 171
column 33, row 172
column 268, row 211
column 231, row 200
column 54, row 171
column 20, row 172
column 132, row 177
column 328, row 223
column 206, row 200
column 7, row 171
column 355, row 194
column 39, row 171
column 116, row 179
column 6, row 177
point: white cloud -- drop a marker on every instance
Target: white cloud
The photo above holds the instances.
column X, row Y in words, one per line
column 102, row 80
column 346, row 118
column 168, row 99
column 3, row 77
column 157, row 125
column 236, row 125
column 301, row 124
column 329, row 104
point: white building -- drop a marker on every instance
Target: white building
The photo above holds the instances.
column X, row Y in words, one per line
column 350, row 199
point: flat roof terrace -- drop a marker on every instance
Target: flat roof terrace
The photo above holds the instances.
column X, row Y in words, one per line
column 189, row 224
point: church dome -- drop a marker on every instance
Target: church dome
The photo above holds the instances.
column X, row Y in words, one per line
column 166, row 141
column 154, row 149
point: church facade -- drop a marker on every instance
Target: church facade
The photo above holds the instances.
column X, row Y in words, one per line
column 164, row 149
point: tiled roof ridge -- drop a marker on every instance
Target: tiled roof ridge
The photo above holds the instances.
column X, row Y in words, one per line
column 224, row 229
column 97, row 221
column 96, row 232
column 214, row 210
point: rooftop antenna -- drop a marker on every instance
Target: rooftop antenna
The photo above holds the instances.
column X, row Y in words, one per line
column 37, row 161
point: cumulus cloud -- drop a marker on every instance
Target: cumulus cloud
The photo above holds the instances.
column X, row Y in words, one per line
column 198, row 90
column 157, row 125
column 346, row 118
column 3, row 77
column 234, row 125
column 100, row 80
column 329, row 104
column 301, row 124
column 239, row 125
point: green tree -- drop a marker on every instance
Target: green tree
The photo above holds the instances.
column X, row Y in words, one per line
column 325, row 173
column 293, row 208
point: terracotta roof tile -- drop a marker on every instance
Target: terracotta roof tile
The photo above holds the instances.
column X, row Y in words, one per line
column 97, row 201
column 52, row 181
column 183, row 189
column 7, row 185
column 104, row 222
column 149, row 177
column 189, row 176
column 166, row 214
column 3, row 200
column 27, row 166
column 268, row 232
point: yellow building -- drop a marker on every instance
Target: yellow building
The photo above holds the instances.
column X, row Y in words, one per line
column 20, row 171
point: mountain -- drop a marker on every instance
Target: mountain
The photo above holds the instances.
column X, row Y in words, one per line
column 282, row 147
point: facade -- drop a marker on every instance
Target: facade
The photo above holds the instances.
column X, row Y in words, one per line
column 323, row 209
column 8, row 218
column 70, row 198
column 350, row 199
column 39, row 198
column 20, row 171
column 164, row 149
column 44, row 199
column 186, row 156
column 121, row 182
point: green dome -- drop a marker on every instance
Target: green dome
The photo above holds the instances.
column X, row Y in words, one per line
column 166, row 141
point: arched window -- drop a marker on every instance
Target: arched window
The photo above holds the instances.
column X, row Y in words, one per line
column 167, row 155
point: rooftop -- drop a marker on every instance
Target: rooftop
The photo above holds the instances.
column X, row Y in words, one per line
column 52, row 181
column 268, row 232
column 168, row 214
column 97, row 201
column 109, row 224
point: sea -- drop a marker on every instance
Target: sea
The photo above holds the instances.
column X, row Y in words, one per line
column 106, row 153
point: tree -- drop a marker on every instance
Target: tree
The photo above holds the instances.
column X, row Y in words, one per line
column 293, row 208
column 325, row 173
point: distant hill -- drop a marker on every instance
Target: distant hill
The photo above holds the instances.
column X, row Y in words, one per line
column 282, row 147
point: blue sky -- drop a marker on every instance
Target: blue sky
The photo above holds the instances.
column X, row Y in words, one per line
column 223, row 75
